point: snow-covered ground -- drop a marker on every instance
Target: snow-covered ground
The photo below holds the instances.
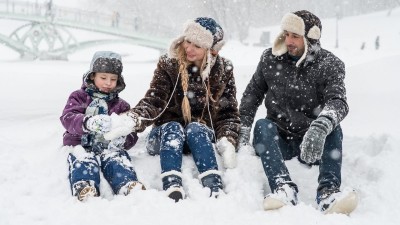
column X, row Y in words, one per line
column 34, row 188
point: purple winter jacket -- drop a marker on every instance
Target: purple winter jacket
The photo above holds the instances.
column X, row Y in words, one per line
column 74, row 112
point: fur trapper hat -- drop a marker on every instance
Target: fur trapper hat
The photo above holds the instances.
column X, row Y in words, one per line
column 204, row 32
column 303, row 23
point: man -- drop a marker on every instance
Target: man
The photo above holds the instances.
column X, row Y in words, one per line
column 305, row 96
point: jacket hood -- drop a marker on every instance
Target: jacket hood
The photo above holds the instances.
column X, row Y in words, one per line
column 105, row 62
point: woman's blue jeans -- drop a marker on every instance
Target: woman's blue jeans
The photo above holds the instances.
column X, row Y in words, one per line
column 274, row 148
column 169, row 140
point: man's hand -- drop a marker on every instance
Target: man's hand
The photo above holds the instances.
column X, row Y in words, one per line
column 244, row 137
column 313, row 142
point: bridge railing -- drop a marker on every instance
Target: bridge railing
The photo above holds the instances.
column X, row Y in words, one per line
column 113, row 19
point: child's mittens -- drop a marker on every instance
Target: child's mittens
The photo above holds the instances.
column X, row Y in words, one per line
column 99, row 123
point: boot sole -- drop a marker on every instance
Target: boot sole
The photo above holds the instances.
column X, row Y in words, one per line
column 87, row 192
column 176, row 195
column 134, row 186
column 345, row 205
column 272, row 203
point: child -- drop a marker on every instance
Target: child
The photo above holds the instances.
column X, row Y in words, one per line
column 86, row 117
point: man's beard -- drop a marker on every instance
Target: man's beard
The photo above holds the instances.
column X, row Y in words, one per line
column 293, row 50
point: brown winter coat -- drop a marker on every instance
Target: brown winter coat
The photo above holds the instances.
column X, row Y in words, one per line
column 225, row 120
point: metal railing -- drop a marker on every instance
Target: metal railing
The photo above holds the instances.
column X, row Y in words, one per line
column 54, row 13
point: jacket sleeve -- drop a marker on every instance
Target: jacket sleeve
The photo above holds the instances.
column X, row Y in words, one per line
column 74, row 113
column 228, row 119
column 157, row 95
column 253, row 95
column 334, row 93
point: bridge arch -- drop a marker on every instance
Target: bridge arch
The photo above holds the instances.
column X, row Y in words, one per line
column 46, row 35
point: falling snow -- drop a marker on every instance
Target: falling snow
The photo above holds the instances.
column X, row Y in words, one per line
column 34, row 172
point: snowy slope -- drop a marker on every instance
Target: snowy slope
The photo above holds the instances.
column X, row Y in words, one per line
column 34, row 187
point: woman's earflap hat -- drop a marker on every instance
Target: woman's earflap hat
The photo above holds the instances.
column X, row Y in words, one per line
column 204, row 32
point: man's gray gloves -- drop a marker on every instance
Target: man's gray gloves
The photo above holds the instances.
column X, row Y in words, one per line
column 244, row 136
column 313, row 142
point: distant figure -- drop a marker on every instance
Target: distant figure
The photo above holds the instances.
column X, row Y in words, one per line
column 86, row 118
column 115, row 19
column 377, row 42
column 136, row 22
column 363, row 45
column 37, row 8
column 49, row 14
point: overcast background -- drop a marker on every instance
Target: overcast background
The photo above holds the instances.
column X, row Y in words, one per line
column 235, row 16
column 34, row 187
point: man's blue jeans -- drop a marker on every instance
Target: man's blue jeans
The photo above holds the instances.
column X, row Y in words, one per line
column 274, row 148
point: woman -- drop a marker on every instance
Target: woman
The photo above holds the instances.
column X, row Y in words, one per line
column 192, row 104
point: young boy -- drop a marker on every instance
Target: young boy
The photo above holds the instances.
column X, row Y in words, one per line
column 86, row 118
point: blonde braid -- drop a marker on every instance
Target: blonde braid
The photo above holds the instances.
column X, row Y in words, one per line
column 186, row 110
